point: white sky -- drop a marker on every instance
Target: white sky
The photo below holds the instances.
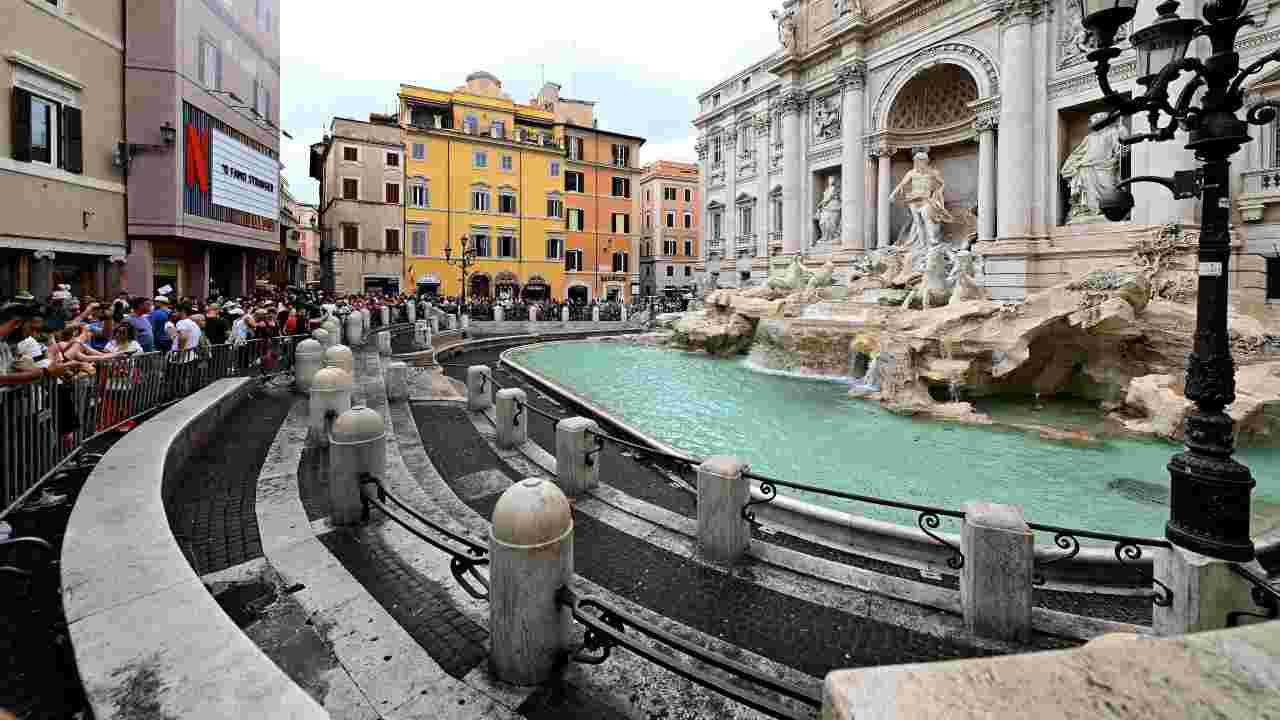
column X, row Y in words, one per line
column 643, row 63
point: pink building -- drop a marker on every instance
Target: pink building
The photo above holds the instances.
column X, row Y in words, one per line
column 669, row 228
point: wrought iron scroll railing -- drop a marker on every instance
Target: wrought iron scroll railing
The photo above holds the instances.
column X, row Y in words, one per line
column 928, row 518
column 1264, row 595
column 606, row 628
column 1127, row 550
column 464, row 564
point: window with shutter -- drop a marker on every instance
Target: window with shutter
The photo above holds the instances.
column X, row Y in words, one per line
column 73, row 146
column 21, row 116
column 393, row 240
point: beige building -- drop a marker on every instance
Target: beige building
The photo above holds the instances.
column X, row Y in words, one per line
column 360, row 166
column 62, row 200
column 669, row 227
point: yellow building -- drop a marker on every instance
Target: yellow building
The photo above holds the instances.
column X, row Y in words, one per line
column 481, row 166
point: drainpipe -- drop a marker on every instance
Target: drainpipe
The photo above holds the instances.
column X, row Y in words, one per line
column 124, row 127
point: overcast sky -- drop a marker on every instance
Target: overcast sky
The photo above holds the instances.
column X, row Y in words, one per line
column 644, row 67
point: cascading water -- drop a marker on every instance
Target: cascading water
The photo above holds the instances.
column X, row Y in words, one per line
column 870, row 381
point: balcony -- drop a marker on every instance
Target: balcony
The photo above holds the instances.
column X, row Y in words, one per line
column 1261, row 188
column 715, row 246
column 775, row 240
column 745, row 243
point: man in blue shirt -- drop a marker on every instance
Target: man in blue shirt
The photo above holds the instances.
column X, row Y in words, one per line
column 158, row 318
column 142, row 323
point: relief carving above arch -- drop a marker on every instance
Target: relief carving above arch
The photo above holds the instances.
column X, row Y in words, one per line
column 973, row 59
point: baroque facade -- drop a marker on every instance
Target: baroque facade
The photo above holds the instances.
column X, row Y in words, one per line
column 801, row 151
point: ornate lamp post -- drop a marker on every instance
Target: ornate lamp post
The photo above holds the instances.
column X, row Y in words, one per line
column 463, row 261
column 1210, row 492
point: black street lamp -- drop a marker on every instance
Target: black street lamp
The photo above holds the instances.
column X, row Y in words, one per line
column 1210, row 491
column 463, row 261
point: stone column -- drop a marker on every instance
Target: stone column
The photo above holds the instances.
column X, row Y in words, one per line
column 1204, row 592
column 995, row 583
column 723, row 534
column 986, row 127
column 575, row 472
column 884, row 186
column 792, row 101
column 764, row 223
column 1017, row 121
column 853, row 168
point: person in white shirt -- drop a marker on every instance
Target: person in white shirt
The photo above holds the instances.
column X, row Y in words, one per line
column 186, row 334
column 123, row 341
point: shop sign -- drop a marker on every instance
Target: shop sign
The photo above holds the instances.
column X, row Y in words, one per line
column 428, row 279
column 241, row 177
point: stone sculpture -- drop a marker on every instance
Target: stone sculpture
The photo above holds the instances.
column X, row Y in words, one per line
column 786, row 19
column 964, row 279
column 1092, row 169
column 924, row 198
column 933, row 289
column 840, row 7
column 828, row 215
column 826, row 118
column 791, row 279
column 823, row 278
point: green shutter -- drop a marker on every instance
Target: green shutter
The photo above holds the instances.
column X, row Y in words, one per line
column 21, row 125
column 73, row 140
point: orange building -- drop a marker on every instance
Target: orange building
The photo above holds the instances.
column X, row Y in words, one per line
column 601, row 182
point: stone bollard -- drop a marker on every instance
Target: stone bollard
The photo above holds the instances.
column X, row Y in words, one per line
column 435, row 323
column 367, row 316
column 334, row 328
column 595, row 314
column 575, row 472
column 533, row 314
column 1205, row 591
column 449, row 321
column 397, row 381
column 512, row 430
column 411, row 311
column 355, row 329
column 723, row 534
column 358, row 447
column 464, row 322
column 624, row 313
column 308, row 359
column 330, row 397
column 995, row 582
column 564, row 315
column 479, row 388
column 384, row 314
column 340, row 356
column 499, row 314
column 384, row 343
column 530, row 559
column 321, row 336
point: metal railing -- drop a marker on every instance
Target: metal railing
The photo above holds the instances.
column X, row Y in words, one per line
column 606, row 628
column 580, row 313
column 610, row 312
column 1127, row 550
column 463, row 564
column 44, row 424
column 928, row 518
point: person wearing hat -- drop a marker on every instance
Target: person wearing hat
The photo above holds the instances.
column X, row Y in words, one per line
column 159, row 318
column 24, row 297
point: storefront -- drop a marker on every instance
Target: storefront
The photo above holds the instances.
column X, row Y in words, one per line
column 481, row 286
column 508, row 285
column 429, row 285
column 536, row 289
column 381, row 284
column 579, row 294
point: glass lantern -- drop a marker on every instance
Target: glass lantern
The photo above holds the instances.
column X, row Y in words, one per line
column 1163, row 42
column 1103, row 18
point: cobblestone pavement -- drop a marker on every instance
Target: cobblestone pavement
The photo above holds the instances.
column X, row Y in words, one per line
column 211, row 502
column 650, row 480
column 419, row 604
column 809, row 637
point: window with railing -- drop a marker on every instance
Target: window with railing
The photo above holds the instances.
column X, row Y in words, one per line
column 669, row 247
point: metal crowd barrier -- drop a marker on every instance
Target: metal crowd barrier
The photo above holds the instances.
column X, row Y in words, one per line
column 45, row 424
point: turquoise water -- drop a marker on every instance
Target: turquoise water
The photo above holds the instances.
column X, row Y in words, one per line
column 810, row 431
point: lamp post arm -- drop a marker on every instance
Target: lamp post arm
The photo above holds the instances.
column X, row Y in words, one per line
column 1252, row 69
column 1184, row 183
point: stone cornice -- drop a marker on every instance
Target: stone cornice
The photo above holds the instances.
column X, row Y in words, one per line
column 1088, row 80
column 852, row 75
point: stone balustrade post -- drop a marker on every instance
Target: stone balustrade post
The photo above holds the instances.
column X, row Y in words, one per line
column 358, row 447
column 1204, row 592
column 530, row 559
column 576, row 471
column 397, row 381
column 723, row 534
column 513, row 418
column 479, row 388
column 995, row 582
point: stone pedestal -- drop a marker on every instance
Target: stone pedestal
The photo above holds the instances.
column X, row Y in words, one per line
column 512, row 430
column 723, row 534
column 1204, row 590
column 995, row 583
column 359, row 447
column 531, row 558
column 575, row 474
column 397, row 381
column 479, row 388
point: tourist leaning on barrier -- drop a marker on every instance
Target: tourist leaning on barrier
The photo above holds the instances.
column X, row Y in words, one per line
column 11, row 318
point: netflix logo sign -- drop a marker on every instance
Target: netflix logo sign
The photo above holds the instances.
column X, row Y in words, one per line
column 227, row 176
